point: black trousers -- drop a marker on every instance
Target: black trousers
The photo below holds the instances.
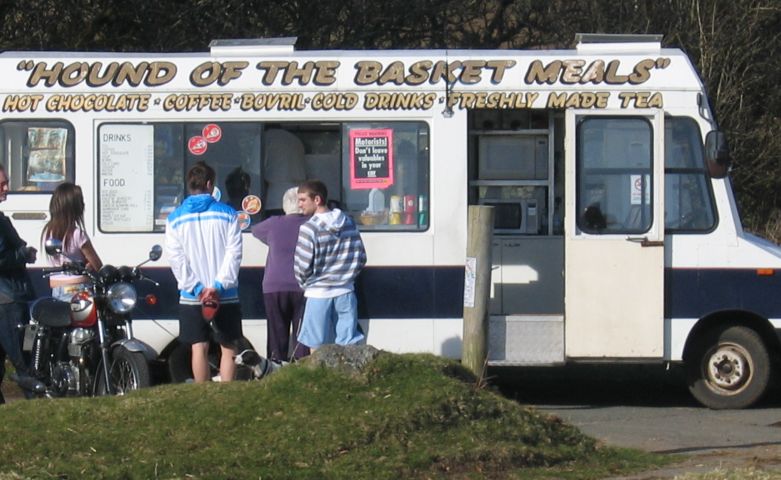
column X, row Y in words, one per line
column 11, row 315
column 283, row 311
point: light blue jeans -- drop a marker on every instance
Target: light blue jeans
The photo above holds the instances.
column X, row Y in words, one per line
column 330, row 320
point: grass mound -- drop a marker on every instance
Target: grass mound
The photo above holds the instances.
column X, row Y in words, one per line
column 411, row 416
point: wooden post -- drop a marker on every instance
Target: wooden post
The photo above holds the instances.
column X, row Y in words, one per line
column 477, row 287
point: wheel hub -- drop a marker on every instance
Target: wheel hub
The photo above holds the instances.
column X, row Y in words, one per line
column 729, row 367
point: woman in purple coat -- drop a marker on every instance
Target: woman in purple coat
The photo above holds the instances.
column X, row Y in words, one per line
column 282, row 297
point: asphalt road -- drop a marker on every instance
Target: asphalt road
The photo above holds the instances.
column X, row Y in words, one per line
column 645, row 407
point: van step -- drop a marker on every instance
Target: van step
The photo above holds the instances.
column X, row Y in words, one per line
column 526, row 340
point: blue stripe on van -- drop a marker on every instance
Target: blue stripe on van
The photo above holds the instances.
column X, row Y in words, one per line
column 437, row 292
column 694, row 293
column 383, row 292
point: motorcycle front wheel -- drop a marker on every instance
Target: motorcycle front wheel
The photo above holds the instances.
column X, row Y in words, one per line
column 129, row 371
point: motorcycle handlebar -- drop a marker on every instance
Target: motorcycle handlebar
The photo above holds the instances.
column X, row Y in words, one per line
column 71, row 268
column 107, row 271
column 140, row 276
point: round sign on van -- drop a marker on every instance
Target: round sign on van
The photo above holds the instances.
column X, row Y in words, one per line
column 212, row 133
column 197, row 145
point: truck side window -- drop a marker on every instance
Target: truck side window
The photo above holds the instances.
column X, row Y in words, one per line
column 378, row 173
column 688, row 200
column 142, row 168
column 385, row 175
column 614, row 172
column 38, row 154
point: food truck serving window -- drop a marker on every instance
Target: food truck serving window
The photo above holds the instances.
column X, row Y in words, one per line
column 378, row 173
column 385, row 175
column 38, row 155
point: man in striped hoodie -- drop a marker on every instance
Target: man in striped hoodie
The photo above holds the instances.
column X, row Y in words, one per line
column 329, row 256
column 203, row 241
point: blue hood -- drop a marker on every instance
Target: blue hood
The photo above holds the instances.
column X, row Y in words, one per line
column 197, row 203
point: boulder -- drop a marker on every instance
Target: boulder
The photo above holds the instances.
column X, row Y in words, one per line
column 349, row 359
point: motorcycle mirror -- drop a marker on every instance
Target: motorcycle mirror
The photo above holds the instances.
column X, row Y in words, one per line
column 155, row 253
column 53, row 247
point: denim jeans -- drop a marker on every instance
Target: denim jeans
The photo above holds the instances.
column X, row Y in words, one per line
column 331, row 320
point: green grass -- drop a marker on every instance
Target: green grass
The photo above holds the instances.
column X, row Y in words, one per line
column 409, row 416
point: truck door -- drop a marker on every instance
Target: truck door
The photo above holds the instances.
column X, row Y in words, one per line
column 614, row 234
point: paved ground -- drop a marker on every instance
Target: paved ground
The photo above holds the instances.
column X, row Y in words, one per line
column 649, row 408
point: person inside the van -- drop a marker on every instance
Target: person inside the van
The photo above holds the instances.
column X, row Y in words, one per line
column 237, row 185
column 284, row 166
column 593, row 218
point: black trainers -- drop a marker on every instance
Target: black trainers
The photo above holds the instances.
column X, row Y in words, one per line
column 29, row 383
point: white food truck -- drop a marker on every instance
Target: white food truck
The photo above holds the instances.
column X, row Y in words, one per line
column 616, row 237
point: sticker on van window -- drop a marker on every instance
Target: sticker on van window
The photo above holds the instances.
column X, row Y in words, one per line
column 371, row 158
column 212, row 133
column 47, row 154
column 251, row 204
column 197, row 145
column 244, row 220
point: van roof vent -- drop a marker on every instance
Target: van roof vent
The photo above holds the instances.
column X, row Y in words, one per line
column 252, row 46
column 617, row 43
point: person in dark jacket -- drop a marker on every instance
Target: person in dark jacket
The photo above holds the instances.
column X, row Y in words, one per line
column 282, row 297
column 15, row 290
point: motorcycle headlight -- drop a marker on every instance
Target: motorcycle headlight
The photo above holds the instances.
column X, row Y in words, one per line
column 121, row 297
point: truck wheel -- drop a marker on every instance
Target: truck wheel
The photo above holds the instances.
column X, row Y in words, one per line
column 179, row 364
column 728, row 368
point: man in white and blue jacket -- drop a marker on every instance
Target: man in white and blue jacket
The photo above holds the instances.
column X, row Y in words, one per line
column 329, row 256
column 203, row 241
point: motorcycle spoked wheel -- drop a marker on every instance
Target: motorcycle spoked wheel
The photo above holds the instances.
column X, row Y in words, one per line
column 129, row 371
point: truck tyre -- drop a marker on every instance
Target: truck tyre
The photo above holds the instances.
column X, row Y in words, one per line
column 179, row 364
column 728, row 368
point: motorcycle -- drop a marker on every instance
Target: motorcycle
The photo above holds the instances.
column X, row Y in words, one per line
column 85, row 347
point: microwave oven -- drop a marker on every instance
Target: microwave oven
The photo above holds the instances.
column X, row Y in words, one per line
column 512, row 157
column 518, row 216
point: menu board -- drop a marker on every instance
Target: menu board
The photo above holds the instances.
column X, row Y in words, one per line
column 371, row 158
column 126, row 178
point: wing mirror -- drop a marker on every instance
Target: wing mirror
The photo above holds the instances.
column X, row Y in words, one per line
column 155, row 253
column 53, row 247
column 717, row 156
